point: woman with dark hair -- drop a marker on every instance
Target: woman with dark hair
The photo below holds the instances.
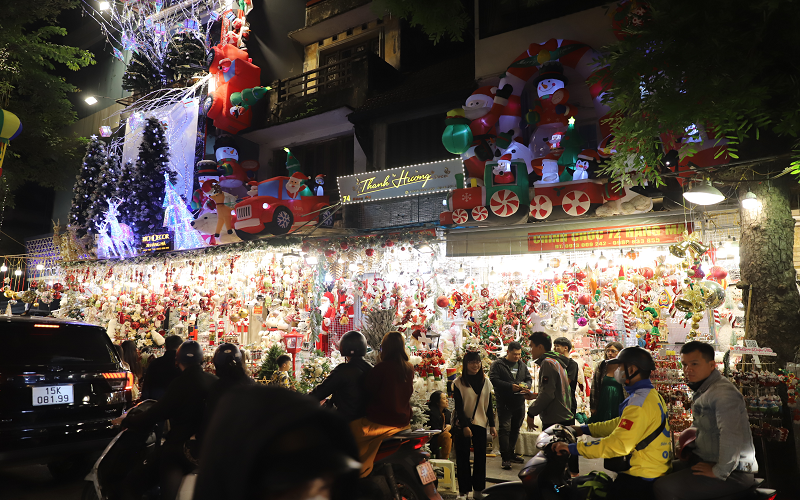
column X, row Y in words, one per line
column 473, row 394
column 230, row 369
column 607, row 394
column 388, row 392
column 439, row 418
column 131, row 356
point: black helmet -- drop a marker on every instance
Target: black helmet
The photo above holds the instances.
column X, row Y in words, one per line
column 189, row 353
column 226, row 354
column 353, row 344
column 634, row 356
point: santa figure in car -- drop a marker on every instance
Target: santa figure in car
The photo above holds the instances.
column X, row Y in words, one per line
column 295, row 184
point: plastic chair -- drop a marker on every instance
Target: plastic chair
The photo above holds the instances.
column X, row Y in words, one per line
column 448, row 482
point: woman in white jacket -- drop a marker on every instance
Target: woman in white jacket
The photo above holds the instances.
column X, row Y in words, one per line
column 473, row 397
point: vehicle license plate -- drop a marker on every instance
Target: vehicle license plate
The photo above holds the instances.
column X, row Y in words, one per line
column 425, row 471
column 52, row 395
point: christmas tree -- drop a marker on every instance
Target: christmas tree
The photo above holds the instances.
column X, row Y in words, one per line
column 86, row 184
column 126, row 175
column 148, row 186
column 186, row 55
column 143, row 75
column 179, row 219
column 106, row 188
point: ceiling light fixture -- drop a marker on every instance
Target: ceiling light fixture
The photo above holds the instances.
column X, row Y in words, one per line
column 704, row 193
column 751, row 201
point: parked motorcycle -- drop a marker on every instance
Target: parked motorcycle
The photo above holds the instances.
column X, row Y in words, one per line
column 545, row 477
column 402, row 470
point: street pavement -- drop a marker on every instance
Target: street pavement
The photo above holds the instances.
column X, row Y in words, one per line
column 34, row 482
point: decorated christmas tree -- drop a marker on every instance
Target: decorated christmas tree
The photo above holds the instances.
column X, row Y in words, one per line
column 87, row 180
column 126, row 175
column 148, row 185
column 186, row 55
column 106, row 188
column 179, row 219
column 143, row 74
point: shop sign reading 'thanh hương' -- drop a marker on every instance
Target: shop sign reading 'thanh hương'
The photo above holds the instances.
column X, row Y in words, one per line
column 603, row 237
column 414, row 180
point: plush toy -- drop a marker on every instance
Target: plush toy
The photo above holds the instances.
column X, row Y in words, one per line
column 206, row 225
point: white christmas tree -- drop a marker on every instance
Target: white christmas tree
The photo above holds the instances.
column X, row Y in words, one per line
column 179, row 219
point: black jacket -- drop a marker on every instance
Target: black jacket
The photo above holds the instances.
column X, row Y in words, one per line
column 346, row 385
column 183, row 404
column 160, row 373
column 501, row 379
column 572, row 375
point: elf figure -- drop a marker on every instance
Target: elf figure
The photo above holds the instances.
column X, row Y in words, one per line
column 587, row 160
column 319, row 190
column 206, row 171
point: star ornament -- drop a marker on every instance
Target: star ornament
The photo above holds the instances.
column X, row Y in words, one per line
column 94, row 137
column 571, row 120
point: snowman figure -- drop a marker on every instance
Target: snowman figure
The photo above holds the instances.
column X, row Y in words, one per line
column 552, row 106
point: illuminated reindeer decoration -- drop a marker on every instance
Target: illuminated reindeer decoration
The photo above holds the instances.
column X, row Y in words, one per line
column 121, row 234
column 105, row 245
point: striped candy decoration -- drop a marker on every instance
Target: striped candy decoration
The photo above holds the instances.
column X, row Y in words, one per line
column 717, row 321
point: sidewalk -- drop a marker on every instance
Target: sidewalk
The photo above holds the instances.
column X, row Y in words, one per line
column 495, row 474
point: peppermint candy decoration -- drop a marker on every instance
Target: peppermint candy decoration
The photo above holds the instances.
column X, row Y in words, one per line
column 504, row 203
column 460, row 216
column 541, row 207
column 485, row 293
column 576, row 203
column 480, row 213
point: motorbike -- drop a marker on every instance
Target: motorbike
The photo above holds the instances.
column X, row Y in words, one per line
column 545, row 477
column 131, row 448
column 402, row 470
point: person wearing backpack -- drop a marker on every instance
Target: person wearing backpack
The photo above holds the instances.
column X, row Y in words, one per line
column 636, row 444
column 472, row 392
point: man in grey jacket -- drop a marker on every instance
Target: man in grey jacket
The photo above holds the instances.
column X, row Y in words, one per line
column 553, row 401
column 511, row 382
column 717, row 466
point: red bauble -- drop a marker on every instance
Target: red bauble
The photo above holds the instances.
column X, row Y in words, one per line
column 344, row 245
column 718, row 272
column 647, row 272
column 383, row 245
column 370, row 252
column 485, row 293
column 402, row 249
column 442, row 301
column 584, row 299
column 580, row 275
column 389, row 243
column 329, row 252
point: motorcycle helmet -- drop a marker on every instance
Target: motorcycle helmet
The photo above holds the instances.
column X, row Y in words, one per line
column 227, row 354
column 189, row 353
column 635, row 356
column 353, row 344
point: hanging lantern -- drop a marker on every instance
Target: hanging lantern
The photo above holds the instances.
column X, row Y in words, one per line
column 10, row 128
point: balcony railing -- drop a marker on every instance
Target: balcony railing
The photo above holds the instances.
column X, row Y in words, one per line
column 330, row 76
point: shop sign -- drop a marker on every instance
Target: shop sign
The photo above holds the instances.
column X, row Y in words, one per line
column 756, row 351
column 157, row 242
column 601, row 237
column 414, row 180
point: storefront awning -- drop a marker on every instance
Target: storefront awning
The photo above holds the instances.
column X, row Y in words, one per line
column 514, row 240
